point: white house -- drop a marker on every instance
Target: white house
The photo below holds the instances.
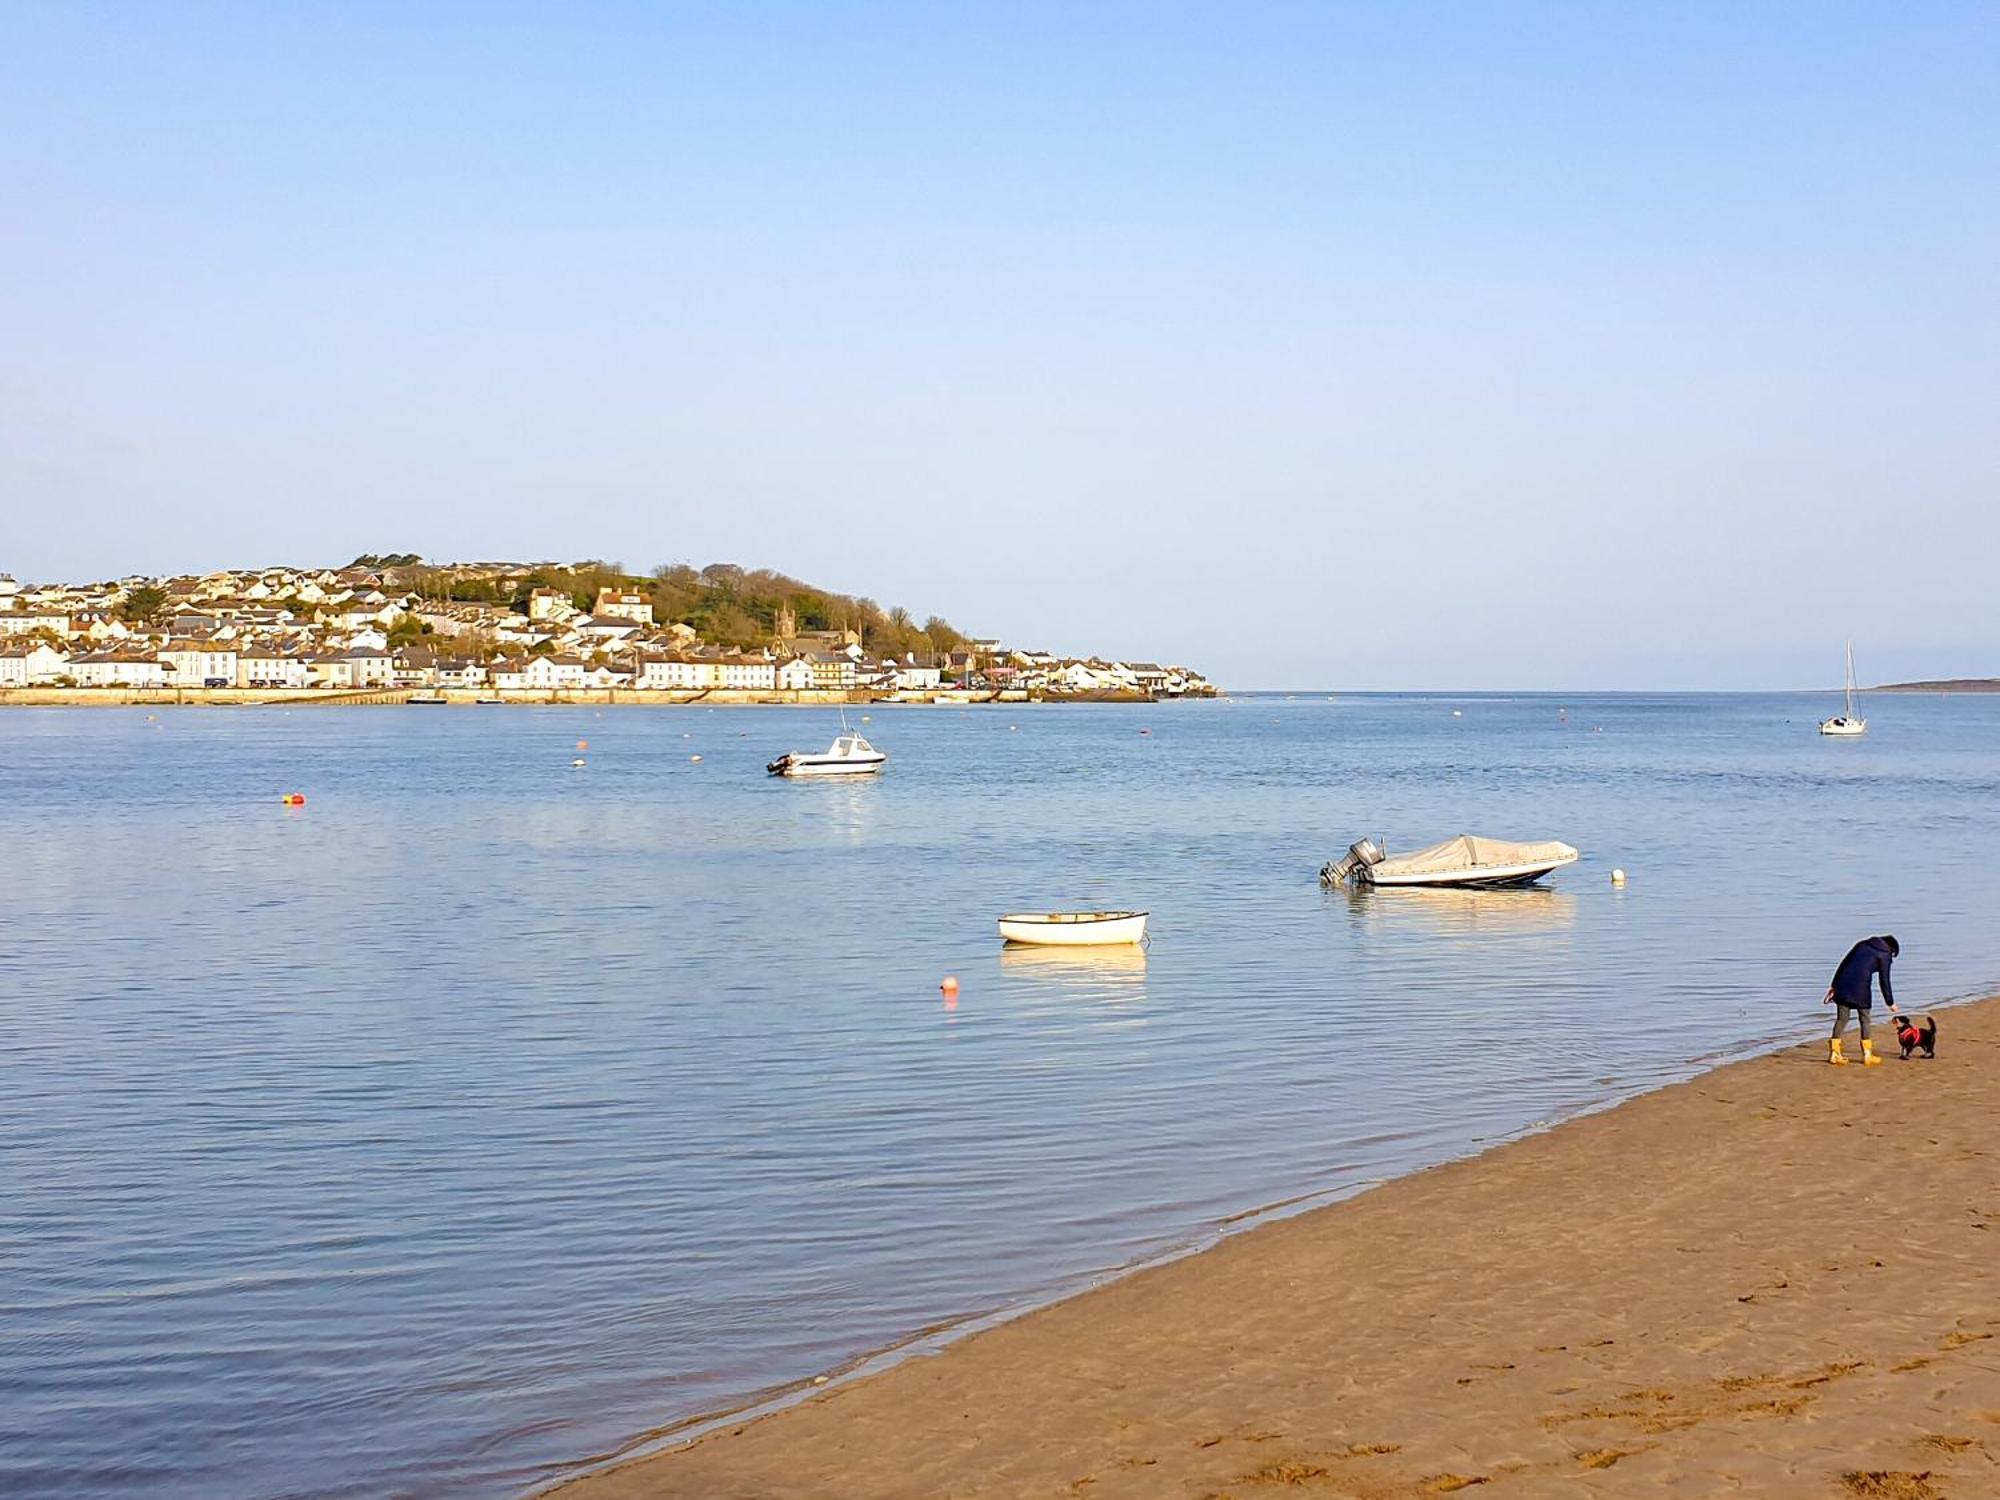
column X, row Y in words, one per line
column 751, row 673
column 460, row 672
column 611, row 604
column 1079, row 677
column 604, row 630
column 540, row 672
column 99, row 628
column 121, row 667
column 269, row 666
column 359, row 614
column 520, row 634
column 22, row 621
column 370, row 666
column 31, row 665
column 550, row 604
column 199, row 663
column 605, row 676
column 918, row 675
column 461, row 619
column 505, row 674
column 331, row 671
column 796, row 675
column 671, row 673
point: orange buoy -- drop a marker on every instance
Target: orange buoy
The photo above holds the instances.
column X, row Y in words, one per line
column 583, row 744
column 293, row 799
column 950, row 985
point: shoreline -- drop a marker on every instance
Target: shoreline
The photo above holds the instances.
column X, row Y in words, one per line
column 1319, row 1347
column 400, row 697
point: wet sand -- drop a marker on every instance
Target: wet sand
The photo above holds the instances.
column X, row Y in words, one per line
column 1778, row 1279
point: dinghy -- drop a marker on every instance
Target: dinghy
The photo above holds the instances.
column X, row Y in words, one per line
column 1074, row 929
column 1468, row 861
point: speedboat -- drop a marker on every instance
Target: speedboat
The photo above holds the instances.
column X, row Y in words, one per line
column 848, row 755
column 1847, row 723
column 1466, row 861
column 1074, row 929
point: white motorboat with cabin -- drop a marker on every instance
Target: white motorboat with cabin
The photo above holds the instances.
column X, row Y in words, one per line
column 1468, row 861
column 848, row 755
column 1847, row 723
column 1074, row 929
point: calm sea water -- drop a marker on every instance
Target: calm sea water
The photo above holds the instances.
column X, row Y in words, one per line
column 486, row 1113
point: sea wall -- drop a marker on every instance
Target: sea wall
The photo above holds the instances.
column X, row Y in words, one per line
column 53, row 697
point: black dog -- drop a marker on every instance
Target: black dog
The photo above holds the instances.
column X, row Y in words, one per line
column 1913, row 1036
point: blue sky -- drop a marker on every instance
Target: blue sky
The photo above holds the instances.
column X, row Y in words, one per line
column 1347, row 345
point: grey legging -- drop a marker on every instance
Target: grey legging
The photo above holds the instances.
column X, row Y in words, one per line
column 1842, row 1012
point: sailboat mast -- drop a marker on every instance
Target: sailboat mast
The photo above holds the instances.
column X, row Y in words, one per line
column 1850, row 679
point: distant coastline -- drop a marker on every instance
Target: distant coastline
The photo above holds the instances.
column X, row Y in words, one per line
column 589, row 632
column 1943, row 685
column 60, row 697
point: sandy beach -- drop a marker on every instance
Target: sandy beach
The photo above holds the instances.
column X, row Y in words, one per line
column 1777, row 1279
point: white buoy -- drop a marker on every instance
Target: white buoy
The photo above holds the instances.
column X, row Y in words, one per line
column 1617, row 877
column 576, row 763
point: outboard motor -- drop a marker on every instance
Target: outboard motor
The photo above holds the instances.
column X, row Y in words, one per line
column 1361, row 854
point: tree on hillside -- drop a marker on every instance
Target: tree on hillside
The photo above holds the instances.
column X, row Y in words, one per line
column 143, row 605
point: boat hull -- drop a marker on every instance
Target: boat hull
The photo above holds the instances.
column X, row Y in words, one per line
column 813, row 765
column 1075, row 929
column 1505, row 878
column 1844, row 728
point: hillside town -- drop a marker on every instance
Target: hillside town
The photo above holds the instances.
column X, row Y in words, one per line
column 381, row 630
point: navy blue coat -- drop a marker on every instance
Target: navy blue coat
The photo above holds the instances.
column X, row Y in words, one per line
column 1866, row 959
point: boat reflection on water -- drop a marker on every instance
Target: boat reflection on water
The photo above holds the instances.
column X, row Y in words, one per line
column 846, row 803
column 1118, row 970
column 1442, row 912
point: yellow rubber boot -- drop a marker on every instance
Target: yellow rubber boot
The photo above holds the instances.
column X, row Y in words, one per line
column 1868, row 1057
column 1833, row 1053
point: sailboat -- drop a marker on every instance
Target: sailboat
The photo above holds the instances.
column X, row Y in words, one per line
column 1849, row 722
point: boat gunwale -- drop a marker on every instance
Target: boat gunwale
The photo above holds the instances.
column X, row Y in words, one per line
column 1072, row 918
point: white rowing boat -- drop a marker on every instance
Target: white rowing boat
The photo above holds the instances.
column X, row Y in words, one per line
column 1074, row 929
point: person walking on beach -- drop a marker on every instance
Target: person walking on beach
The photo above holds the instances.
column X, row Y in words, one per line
column 1866, row 961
